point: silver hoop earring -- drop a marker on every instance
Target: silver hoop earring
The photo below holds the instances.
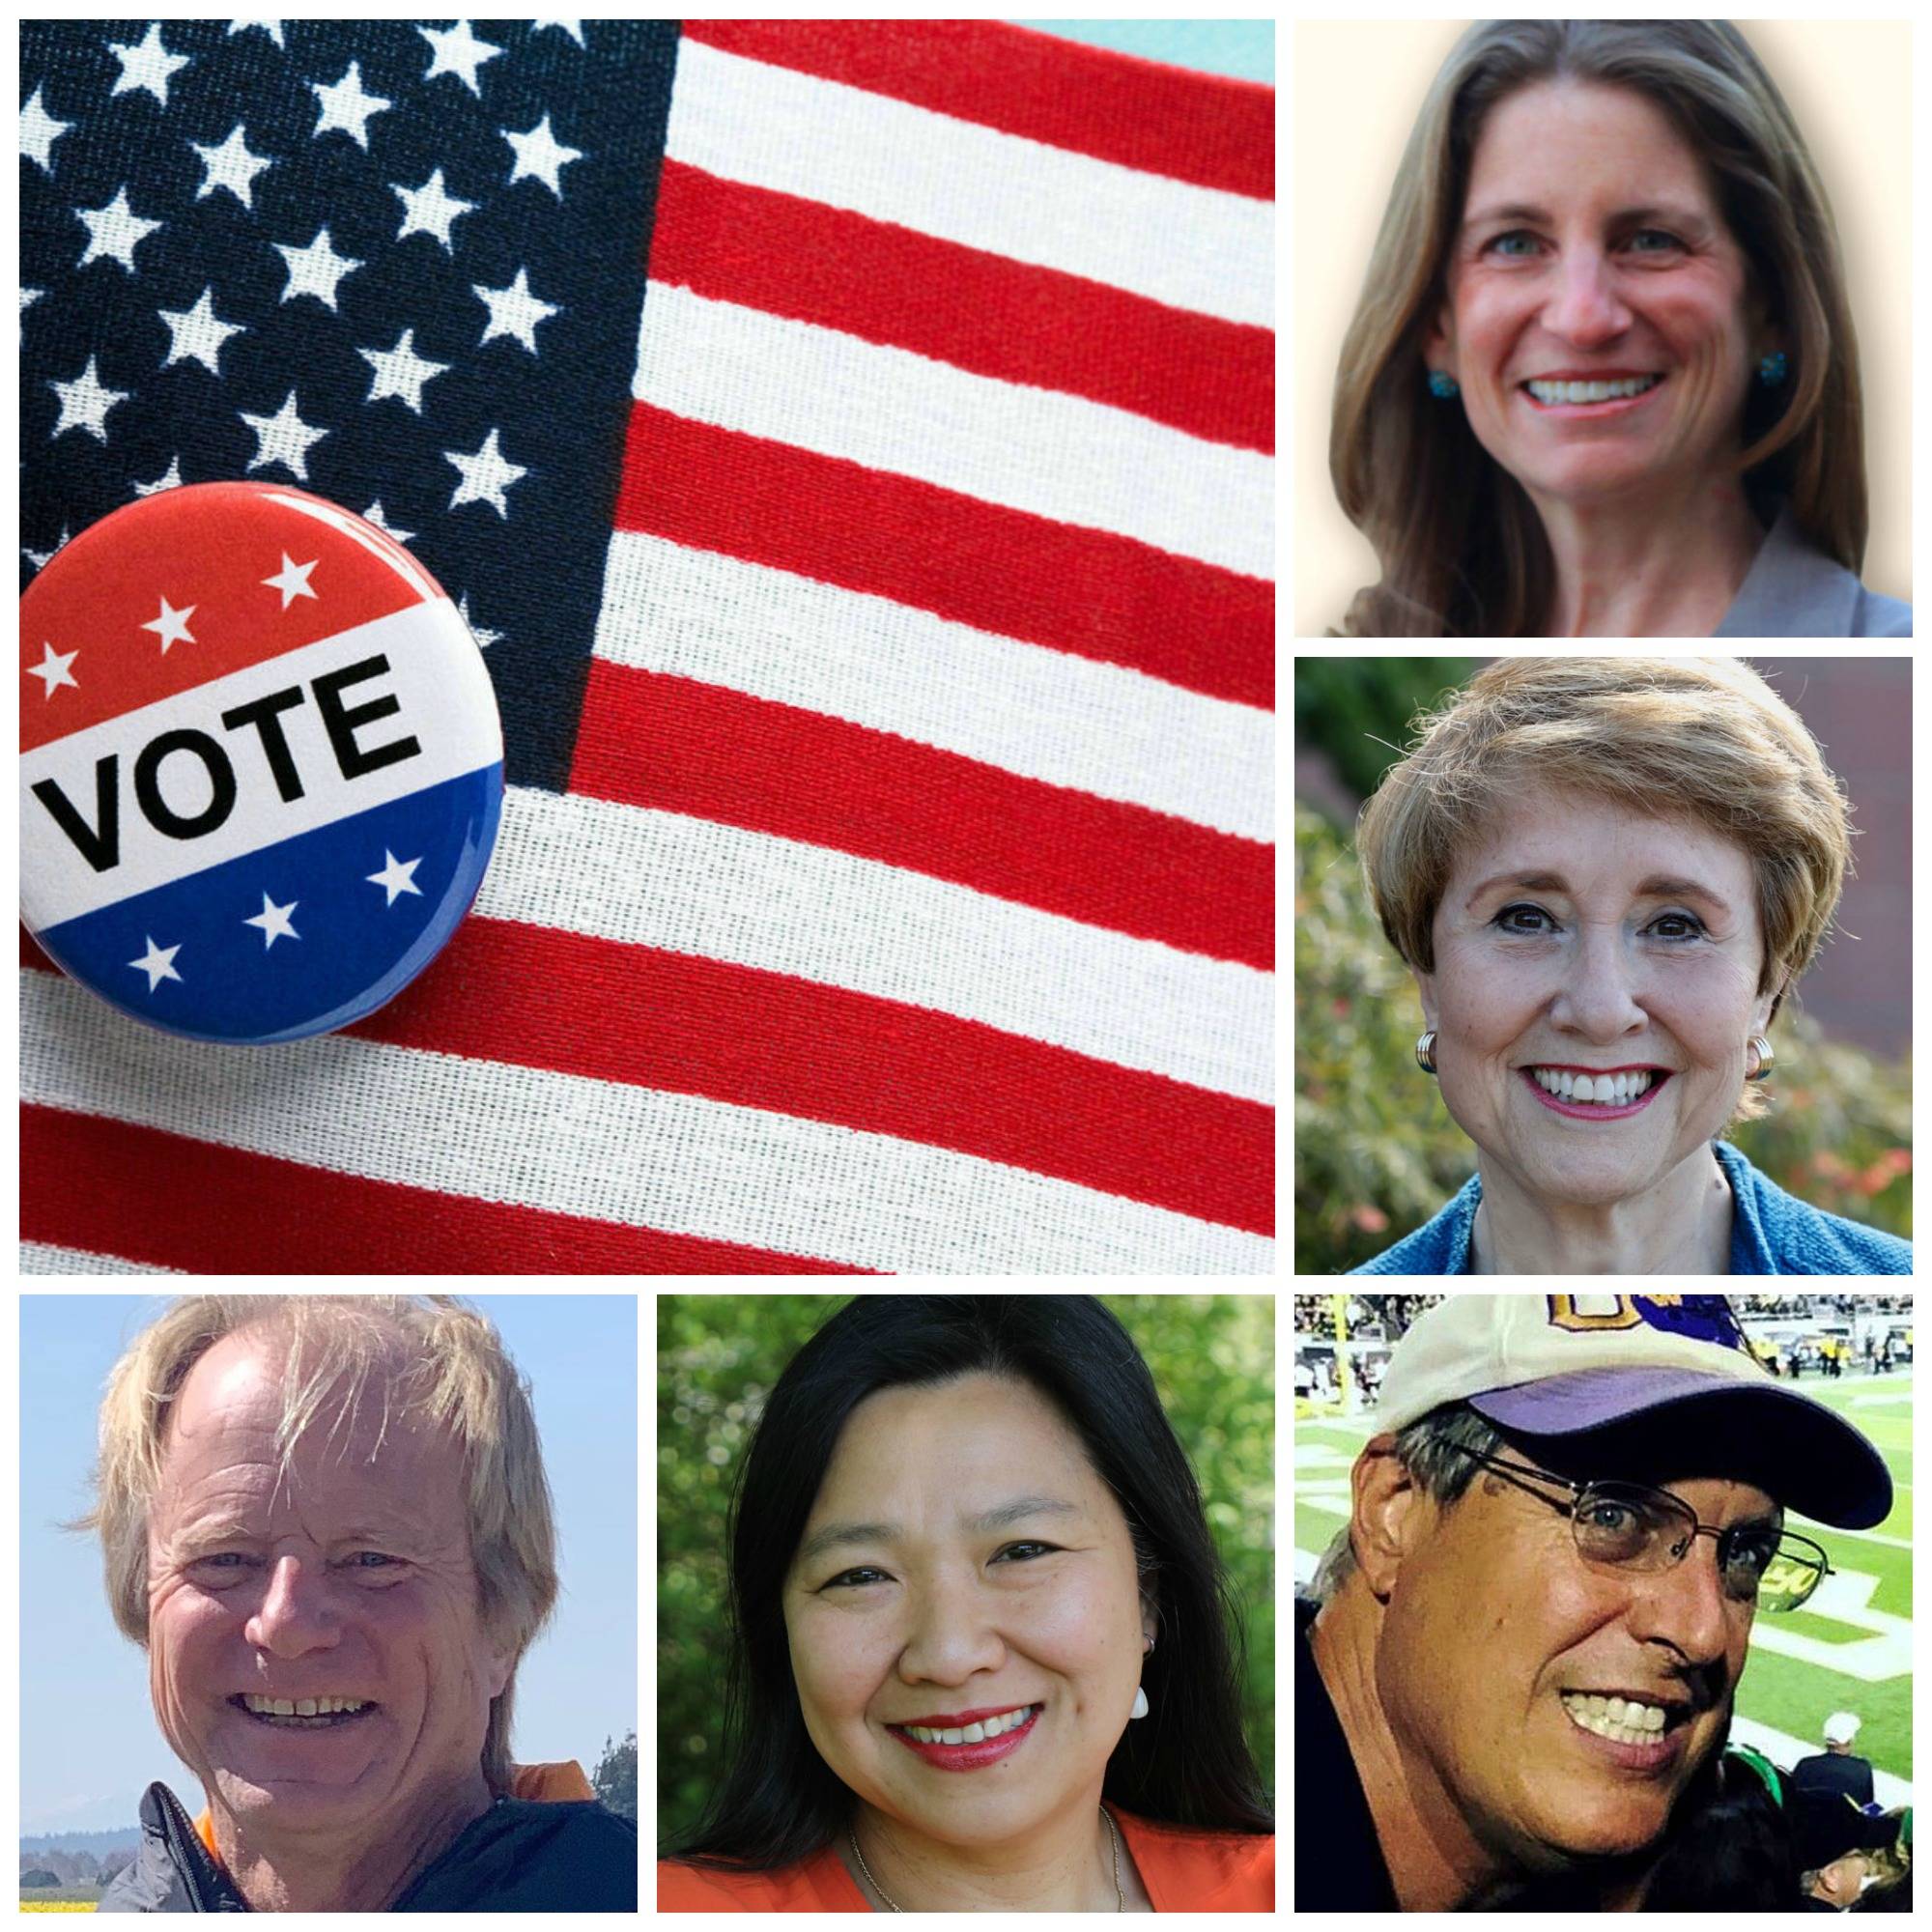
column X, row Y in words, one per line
column 1425, row 1051
column 1766, row 1057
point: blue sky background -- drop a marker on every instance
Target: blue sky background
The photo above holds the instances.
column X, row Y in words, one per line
column 1241, row 49
column 90, row 1745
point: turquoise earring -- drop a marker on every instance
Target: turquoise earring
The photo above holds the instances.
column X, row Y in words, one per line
column 1772, row 368
column 1442, row 383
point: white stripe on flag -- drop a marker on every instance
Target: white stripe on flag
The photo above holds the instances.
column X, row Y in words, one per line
column 687, row 885
column 1041, row 451
column 1191, row 248
column 40, row 1258
column 1048, row 715
column 573, row 1146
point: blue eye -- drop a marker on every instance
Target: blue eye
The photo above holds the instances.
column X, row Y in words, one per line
column 1523, row 234
column 370, row 1556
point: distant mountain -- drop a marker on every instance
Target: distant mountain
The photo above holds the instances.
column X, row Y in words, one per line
column 122, row 1839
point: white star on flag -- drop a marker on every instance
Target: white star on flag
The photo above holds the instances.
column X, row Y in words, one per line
column 114, row 231
column 199, row 334
column 273, row 28
column 291, row 580
column 283, row 437
column 148, row 67
column 171, row 481
column 515, row 312
column 54, row 668
column 230, row 166
column 429, row 211
column 86, row 401
column 39, row 131
column 486, row 475
column 40, row 559
column 484, row 638
column 316, row 269
column 541, row 157
column 171, row 626
column 345, row 109
column 460, row 52
column 273, row 919
column 158, row 963
column 374, row 514
column 400, row 372
column 397, row 876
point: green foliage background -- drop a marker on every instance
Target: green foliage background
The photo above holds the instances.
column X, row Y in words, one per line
column 1376, row 1152
column 1213, row 1360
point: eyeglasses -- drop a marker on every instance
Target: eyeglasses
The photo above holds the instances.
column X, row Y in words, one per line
column 1633, row 1526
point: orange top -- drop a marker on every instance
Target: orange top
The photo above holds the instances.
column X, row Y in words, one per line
column 1184, row 1871
column 548, row 1783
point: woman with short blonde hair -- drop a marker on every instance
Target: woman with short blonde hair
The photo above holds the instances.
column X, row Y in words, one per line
column 1605, row 875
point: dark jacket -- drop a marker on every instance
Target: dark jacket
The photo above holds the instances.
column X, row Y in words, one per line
column 1771, row 1233
column 1834, row 1773
column 1338, row 1859
column 519, row 1857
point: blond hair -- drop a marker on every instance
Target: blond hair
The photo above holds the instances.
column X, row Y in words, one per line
column 1704, row 739
column 446, row 1366
column 1462, row 548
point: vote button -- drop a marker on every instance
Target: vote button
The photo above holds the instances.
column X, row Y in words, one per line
column 261, row 766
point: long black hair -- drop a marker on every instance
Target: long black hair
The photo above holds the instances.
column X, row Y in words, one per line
column 1188, row 1762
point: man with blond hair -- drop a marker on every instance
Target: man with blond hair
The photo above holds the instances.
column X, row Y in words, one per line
column 325, row 1519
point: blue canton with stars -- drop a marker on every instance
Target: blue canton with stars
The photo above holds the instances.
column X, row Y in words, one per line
column 402, row 265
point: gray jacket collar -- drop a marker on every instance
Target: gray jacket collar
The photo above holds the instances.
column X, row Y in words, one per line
column 1795, row 591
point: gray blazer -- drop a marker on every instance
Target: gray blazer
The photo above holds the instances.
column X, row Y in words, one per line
column 1795, row 591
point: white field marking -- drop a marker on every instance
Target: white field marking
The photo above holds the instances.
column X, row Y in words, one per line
column 1781, row 1747
column 1882, row 1655
column 1862, row 1535
column 1320, row 1455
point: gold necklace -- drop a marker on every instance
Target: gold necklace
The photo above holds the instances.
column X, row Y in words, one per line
column 1119, row 1894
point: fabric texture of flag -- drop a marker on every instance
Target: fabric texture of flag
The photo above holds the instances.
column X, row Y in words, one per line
column 852, row 443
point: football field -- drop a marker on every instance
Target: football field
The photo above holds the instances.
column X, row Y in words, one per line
column 1848, row 1649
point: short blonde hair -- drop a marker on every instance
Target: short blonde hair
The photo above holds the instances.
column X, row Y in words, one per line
column 1704, row 739
column 450, row 1369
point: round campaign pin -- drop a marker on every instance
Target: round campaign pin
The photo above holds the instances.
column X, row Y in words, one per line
column 261, row 766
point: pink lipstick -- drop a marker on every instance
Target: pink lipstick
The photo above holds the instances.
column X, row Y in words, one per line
column 969, row 1758
column 1595, row 1111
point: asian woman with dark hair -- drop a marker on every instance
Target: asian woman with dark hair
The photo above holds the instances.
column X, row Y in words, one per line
column 983, row 1655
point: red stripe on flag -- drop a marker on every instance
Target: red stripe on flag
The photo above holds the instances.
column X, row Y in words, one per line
column 141, row 1195
column 1084, row 591
column 529, row 996
column 1195, row 127
column 672, row 744
column 536, row 997
column 785, row 255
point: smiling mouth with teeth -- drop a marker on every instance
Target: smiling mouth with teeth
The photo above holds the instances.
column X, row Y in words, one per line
column 302, row 1713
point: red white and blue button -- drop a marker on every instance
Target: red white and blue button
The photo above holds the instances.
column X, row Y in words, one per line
column 261, row 765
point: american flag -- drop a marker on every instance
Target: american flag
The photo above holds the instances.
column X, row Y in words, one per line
column 852, row 444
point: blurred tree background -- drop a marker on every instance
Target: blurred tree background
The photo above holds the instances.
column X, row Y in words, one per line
column 1376, row 1152
column 1213, row 1360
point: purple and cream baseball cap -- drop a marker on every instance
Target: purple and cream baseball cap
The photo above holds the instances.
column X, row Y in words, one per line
column 1556, row 1367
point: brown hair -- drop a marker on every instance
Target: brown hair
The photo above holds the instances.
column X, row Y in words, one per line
column 426, row 1356
column 1704, row 739
column 1461, row 545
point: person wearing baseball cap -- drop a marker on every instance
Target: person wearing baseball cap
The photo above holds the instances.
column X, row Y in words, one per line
column 1520, row 1656
column 1836, row 1771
